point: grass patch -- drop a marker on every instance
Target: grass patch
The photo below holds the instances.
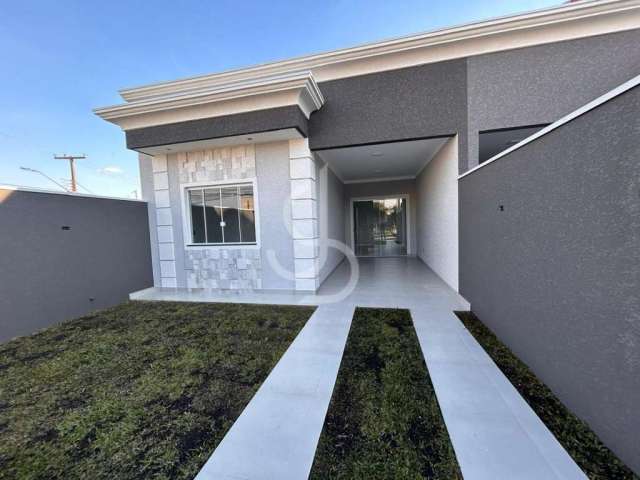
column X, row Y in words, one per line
column 141, row 390
column 384, row 421
column 591, row 455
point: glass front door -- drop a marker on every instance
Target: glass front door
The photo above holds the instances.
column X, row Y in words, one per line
column 380, row 227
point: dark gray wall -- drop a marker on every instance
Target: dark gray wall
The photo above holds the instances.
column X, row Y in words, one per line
column 425, row 101
column 525, row 86
column 50, row 274
column 541, row 84
column 556, row 275
column 226, row 126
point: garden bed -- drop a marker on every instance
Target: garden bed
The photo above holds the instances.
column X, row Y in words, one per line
column 141, row 390
column 384, row 421
column 591, row 455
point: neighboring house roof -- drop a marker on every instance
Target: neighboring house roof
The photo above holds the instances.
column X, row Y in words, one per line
column 294, row 81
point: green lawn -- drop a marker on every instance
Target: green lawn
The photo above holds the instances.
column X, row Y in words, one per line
column 384, row 421
column 595, row 459
column 141, row 390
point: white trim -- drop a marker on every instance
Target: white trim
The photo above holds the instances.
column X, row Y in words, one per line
column 409, row 232
column 186, row 214
column 563, row 22
column 19, row 188
column 635, row 81
column 300, row 88
column 380, row 179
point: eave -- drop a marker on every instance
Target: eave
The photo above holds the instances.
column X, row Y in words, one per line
column 205, row 101
column 564, row 22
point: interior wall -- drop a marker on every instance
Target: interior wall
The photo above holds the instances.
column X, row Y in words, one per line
column 332, row 218
column 437, row 213
column 382, row 189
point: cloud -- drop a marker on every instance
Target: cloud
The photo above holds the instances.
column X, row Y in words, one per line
column 110, row 170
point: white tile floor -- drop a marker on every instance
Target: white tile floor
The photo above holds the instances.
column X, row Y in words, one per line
column 494, row 432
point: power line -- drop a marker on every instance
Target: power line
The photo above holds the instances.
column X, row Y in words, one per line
column 82, row 186
column 27, row 169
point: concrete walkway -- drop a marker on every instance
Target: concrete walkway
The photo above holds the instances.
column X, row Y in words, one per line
column 495, row 434
column 275, row 437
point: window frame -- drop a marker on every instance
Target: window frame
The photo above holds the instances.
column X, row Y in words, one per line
column 187, row 222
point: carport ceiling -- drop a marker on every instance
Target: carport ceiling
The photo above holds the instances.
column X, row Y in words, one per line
column 382, row 161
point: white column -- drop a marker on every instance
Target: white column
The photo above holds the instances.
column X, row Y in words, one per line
column 304, row 215
column 164, row 222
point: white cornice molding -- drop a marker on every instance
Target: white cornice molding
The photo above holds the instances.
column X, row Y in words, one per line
column 564, row 22
column 294, row 88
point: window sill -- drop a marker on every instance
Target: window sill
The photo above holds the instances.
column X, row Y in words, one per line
column 222, row 245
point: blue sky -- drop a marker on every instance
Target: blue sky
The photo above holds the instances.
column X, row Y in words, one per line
column 61, row 59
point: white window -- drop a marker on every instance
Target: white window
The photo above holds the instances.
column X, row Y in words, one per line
column 222, row 215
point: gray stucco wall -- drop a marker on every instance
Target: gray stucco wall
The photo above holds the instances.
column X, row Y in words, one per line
column 274, row 193
column 556, row 274
column 217, row 127
column 50, row 274
column 541, row 84
column 526, row 86
column 425, row 101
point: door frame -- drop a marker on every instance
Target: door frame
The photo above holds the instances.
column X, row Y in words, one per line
column 352, row 235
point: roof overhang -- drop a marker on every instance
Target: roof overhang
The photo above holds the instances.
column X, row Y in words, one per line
column 293, row 82
column 214, row 100
column 564, row 22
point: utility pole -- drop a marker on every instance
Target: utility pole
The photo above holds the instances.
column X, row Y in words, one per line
column 72, row 165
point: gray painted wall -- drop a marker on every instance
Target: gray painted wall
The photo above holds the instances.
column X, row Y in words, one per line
column 556, row 275
column 526, row 86
column 217, row 127
column 50, row 274
column 428, row 100
column 541, row 84
column 274, row 194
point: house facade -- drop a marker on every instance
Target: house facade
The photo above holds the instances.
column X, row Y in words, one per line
column 249, row 173
column 503, row 154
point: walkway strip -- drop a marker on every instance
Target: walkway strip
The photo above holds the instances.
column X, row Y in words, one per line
column 494, row 432
column 277, row 433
